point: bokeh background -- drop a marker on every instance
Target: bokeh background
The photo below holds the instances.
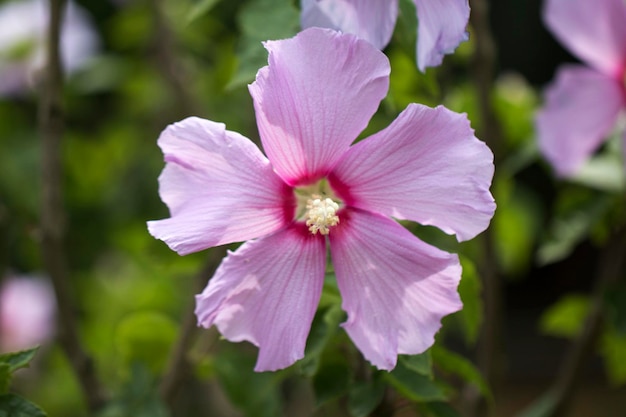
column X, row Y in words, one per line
column 159, row 61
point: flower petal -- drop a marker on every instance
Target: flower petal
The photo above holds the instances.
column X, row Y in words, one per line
column 441, row 29
column 395, row 288
column 317, row 94
column 593, row 30
column 372, row 20
column 219, row 188
column 267, row 293
column 427, row 166
column 581, row 108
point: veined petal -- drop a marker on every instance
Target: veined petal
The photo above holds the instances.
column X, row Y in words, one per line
column 440, row 30
column 593, row 30
column 219, row 188
column 317, row 94
column 267, row 293
column 427, row 166
column 372, row 20
column 395, row 288
column 580, row 109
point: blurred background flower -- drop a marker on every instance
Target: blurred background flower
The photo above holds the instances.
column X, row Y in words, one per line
column 22, row 42
column 27, row 309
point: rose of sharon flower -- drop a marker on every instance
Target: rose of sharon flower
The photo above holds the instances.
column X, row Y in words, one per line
column 583, row 104
column 441, row 26
column 313, row 99
column 23, row 28
column 26, row 313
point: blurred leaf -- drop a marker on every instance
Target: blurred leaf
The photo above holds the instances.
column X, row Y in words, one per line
column 365, row 396
column 516, row 225
column 566, row 317
column 613, row 350
column 325, row 325
column 413, row 385
column 616, row 307
column 17, row 360
column 256, row 394
column 542, row 407
column 437, row 409
column 422, row 363
column 603, row 172
column 470, row 289
column 12, row 405
column 332, row 379
column 572, row 224
column 139, row 397
column 261, row 20
column 515, row 102
column 456, row 364
column 200, row 8
column 5, row 377
column 146, row 337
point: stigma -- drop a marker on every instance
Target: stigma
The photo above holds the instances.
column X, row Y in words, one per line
column 321, row 214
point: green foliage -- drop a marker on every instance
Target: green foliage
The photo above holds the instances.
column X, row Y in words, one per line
column 259, row 21
column 613, row 351
column 470, row 289
column 566, row 317
column 416, row 386
column 12, row 405
column 458, row 365
column 365, row 396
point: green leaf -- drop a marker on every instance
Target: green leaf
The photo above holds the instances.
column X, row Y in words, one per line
column 17, row 360
column 5, row 378
column 332, row 379
column 413, row 385
column 470, row 289
column 437, row 409
column 422, row 363
column 365, row 396
column 200, row 8
column 256, row 394
column 146, row 337
column 12, row 405
column 456, row 364
column 325, row 325
column 582, row 211
column 565, row 318
column 613, row 350
column 261, row 20
column 616, row 307
column 542, row 407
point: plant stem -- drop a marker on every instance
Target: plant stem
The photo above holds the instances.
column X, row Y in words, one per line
column 51, row 125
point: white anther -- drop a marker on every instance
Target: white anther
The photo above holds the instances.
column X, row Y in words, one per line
column 322, row 214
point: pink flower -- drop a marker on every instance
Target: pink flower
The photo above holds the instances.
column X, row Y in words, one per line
column 583, row 104
column 23, row 26
column 313, row 99
column 26, row 313
column 441, row 23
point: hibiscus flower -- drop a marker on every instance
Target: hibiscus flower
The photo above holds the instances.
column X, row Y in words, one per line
column 583, row 104
column 441, row 23
column 314, row 189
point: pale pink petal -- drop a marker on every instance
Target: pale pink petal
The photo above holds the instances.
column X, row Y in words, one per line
column 441, row 28
column 395, row 288
column 594, row 30
column 267, row 293
column 219, row 188
column 372, row 20
column 317, row 94
column 27, row 307
column 580, row 110
column 427, row 166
